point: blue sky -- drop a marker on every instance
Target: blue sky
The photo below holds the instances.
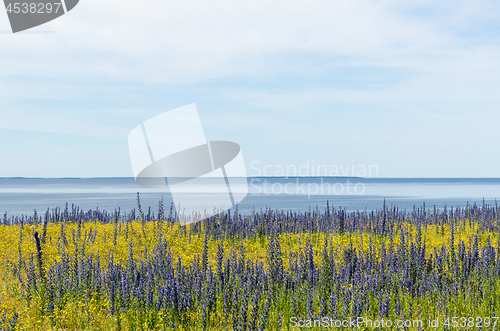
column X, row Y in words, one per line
column 411, row 87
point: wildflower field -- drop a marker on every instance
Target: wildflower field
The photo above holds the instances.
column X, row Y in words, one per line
column 94, row 270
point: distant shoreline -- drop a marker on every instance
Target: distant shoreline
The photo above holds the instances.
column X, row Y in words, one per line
column 13, row 182
column 272, row 177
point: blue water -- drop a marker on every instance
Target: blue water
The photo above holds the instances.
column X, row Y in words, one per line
column 22, row 195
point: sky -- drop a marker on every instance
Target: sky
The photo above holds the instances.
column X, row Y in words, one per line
column 408, row 87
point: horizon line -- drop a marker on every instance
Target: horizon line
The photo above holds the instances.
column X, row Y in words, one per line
column 284, row 177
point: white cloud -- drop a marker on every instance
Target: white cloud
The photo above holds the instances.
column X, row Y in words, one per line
column 101, row 45
column 173, row 41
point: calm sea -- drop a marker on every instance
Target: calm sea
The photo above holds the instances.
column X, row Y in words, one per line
column 24, row 195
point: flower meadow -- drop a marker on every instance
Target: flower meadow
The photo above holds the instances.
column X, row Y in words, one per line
column 97, row 270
